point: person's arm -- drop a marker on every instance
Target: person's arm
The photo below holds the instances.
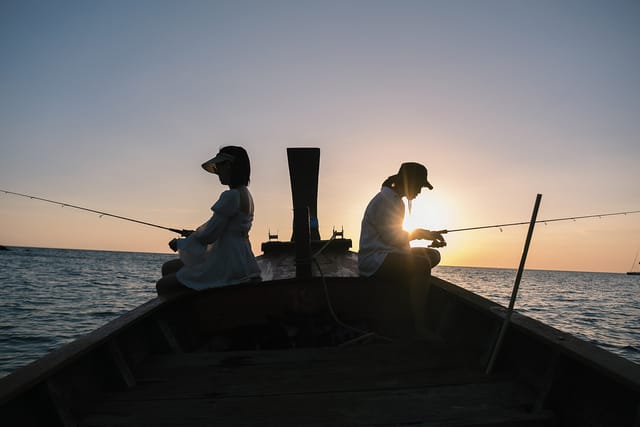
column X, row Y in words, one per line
column 226, row 206
column 394, row 235
column 387, row 219
column 210, row 231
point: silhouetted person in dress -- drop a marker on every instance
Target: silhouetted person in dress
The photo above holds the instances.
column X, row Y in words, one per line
column 218, row 253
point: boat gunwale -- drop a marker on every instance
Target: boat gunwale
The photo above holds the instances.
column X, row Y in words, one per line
column 51, row 363
column 579, row 349
column 47, row 366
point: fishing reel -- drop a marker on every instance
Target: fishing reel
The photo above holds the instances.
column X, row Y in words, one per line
column 438, row 241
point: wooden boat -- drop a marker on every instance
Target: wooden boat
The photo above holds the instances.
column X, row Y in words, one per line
column 319, row 349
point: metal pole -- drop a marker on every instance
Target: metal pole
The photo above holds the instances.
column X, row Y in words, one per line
column 516, row 285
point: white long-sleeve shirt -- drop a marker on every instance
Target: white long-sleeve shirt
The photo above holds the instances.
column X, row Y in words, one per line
column 381, row 231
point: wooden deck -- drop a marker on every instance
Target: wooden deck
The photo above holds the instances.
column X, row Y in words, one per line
column 381, row 384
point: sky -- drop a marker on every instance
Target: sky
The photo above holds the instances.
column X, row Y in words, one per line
column 114, row 105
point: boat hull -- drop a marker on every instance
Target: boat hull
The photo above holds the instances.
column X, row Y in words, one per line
column 319, row 351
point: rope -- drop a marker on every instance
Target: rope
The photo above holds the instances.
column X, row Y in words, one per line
column 363, row 334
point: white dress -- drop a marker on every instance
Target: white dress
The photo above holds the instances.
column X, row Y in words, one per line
column 219, row 253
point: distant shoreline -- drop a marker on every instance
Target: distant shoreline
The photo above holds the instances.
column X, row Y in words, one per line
column 3, row 248
column 88, row 250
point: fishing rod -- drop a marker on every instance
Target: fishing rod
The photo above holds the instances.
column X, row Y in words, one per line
column 182, row 232
column 569, row 218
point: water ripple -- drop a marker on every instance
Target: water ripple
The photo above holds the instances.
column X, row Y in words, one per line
column 51, row 296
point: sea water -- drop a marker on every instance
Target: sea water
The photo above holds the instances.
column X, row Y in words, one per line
column 49, row 297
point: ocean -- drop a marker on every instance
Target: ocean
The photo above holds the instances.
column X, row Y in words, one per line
column 49, row 297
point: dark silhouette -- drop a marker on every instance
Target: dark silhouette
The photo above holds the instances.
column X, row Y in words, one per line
column 218, row 253
column 384, row 245
column 385, row 253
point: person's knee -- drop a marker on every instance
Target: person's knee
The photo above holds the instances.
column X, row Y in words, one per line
column 168, row 284
column 172, row 266
column 416, row 266
column 434, row 257
column 161, row 286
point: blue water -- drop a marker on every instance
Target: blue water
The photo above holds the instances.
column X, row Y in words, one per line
column 49, row 297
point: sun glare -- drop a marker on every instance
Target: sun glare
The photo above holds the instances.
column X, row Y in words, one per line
column 429, row 211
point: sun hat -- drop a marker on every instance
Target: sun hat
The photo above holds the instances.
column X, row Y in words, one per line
column 211, row 165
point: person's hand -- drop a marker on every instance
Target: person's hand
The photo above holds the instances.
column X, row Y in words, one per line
column 437, row 241
column 435, row 237
column 173, row 244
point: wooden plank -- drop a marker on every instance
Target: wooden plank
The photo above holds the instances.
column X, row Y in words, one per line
column 168, row 335
column 122, row 368
column 382, row 384
column 364, row 366
column 60, row 406
column 469, row 404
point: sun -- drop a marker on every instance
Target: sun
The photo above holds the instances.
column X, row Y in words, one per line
column 430, row 211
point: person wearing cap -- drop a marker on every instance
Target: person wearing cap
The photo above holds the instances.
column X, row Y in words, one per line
column 385, row 253
column 218, row 253
column 384, row 245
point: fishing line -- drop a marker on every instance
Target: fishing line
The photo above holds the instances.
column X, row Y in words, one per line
column 569, row 218
column 62, row 204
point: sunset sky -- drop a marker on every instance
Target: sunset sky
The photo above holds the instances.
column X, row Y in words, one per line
column 113, row 105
